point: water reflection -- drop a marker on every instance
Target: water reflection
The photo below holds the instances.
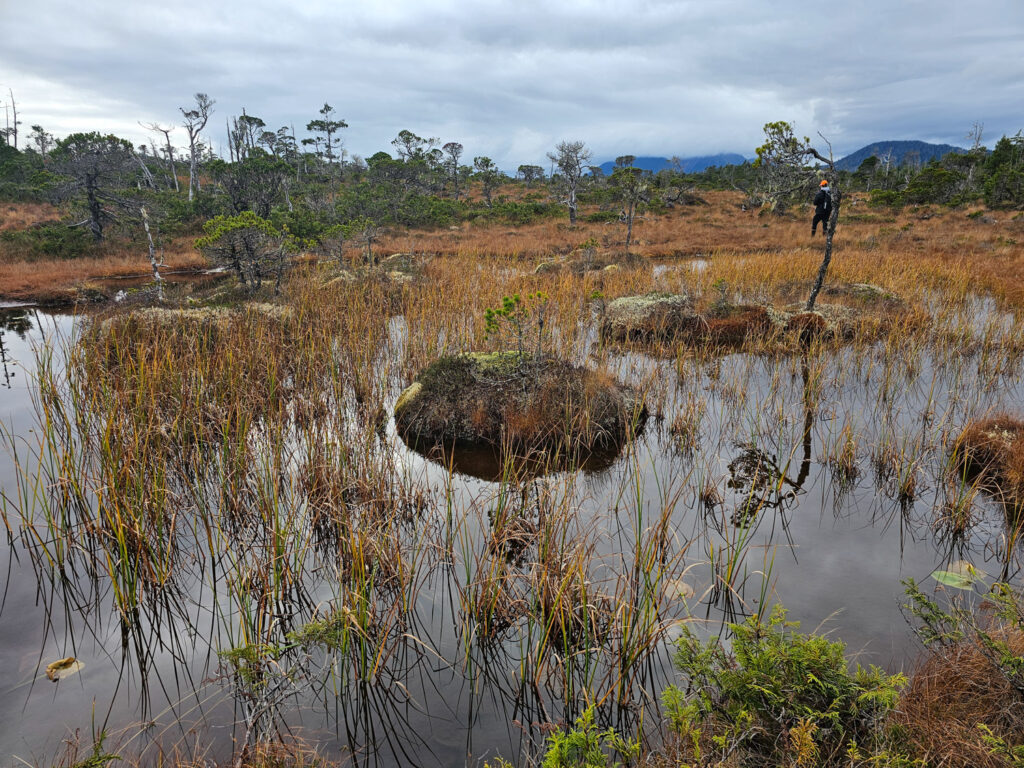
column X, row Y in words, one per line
column 14, row 320
column 312, row 583
column 493, row 463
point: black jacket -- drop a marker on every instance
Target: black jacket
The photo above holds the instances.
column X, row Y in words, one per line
column 823, row 202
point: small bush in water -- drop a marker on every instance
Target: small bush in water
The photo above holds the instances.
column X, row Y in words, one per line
column 778, row 697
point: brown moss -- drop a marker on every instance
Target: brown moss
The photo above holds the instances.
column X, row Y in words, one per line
column 807, row 326
column 503, row 399
column 733, row 325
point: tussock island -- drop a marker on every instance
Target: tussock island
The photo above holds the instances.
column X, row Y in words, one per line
column 518, row 401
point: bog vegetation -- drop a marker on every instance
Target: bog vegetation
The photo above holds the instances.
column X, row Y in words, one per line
column 436, row 434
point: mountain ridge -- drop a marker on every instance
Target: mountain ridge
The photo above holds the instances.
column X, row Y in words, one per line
column 694, row 164
column 899, row 152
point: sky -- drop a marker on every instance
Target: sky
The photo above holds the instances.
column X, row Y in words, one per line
column 511, row 78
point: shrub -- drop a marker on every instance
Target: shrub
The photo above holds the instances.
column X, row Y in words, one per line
column 248, row 245
column 779, row 697
column 52, row 240
column 586, row 747
column 886, row 198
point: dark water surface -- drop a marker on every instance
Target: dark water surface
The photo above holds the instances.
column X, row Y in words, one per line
column 834, row 553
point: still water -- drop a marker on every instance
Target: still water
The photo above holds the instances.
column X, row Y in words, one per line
column 833, row 551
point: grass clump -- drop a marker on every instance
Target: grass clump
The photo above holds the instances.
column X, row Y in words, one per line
column 991, row 453
column 965, row 703
column 778, row 697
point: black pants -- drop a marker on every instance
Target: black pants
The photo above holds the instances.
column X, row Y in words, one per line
column 823, row 218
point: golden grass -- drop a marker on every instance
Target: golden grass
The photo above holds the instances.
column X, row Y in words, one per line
column 59, row 280
column 954, row 691
column 871, row 245
column 943, row 248
column 15, row 216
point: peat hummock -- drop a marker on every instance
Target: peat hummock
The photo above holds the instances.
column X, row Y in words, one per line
column 667, row 317
column 523, row 403
column 649, row 317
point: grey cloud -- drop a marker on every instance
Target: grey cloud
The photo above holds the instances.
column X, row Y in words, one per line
column 508, row 79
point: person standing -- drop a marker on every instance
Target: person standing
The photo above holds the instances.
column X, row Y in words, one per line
column 822, row 209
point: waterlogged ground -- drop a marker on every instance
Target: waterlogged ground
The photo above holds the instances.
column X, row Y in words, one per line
column 818, row 480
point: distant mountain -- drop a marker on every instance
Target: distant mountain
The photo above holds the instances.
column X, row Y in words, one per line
column 688, row 164
column 900, row 152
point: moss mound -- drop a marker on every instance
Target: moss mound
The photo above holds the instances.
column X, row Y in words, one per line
column 649, row 317
column 512, row 400
column 655, row 317
column 672, row 317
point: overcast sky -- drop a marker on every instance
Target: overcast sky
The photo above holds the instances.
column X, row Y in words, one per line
column 510, row 78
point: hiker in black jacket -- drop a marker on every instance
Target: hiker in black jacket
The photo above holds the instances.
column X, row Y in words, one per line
column 822, row 209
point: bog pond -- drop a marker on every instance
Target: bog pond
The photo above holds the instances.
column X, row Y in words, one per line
column 301, row 574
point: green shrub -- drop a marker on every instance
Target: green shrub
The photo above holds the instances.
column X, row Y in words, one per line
column 181, row 215
column 51, row 240
column 886, row 198
column 779, row 697
column 514, row 212
column 586, row 747
column 1005, row 188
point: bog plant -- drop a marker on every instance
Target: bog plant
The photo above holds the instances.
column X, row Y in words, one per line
column 584, row 746
column 959, row 623
column 519, row 321
column 778, row 697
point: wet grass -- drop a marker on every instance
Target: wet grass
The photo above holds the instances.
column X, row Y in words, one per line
column 231, row 473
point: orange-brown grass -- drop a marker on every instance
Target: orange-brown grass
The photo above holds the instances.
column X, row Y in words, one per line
column 905, row 252
column 940, row 249
column 953, row 692
column 15, row 216
column 992, row 452
column 62, row 280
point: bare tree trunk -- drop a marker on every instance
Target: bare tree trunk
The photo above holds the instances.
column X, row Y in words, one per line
column 823, row 269
column 145, row 172
column 152, row 254
column 14, row 116
column 192, row 164
column 95, row 209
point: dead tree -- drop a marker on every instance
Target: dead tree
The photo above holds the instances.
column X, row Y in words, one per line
column 195, row 122
column 785, row 160
column 12, row 128
column 168, row 148
column 571, row 157
column 157, row 278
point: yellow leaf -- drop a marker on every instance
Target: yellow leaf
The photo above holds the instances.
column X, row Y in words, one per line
column 58, row 670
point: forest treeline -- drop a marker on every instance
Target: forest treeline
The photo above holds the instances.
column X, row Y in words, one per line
column 315, row 195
